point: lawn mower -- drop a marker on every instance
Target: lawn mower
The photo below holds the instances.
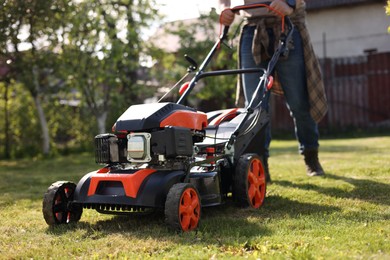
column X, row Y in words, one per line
column 170, row 157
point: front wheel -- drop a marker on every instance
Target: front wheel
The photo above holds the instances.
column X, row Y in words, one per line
column 249, row 181
column 56, row 204
column 182, row 207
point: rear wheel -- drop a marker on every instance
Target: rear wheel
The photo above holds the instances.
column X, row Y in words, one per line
column 182, row 207
column 56, row 206
column 249, row 184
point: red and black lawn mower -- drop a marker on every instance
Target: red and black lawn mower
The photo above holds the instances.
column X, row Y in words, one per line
column 171, row 157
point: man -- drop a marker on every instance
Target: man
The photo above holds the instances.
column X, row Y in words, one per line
column 298, row 73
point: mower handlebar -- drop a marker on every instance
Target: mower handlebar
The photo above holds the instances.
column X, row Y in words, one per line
column 267, row 4
column 251, row 6
column 222, row 37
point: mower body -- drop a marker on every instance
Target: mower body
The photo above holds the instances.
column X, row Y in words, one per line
column 154, row 146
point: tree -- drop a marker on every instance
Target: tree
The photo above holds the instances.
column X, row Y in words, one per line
column 39, row 21
column 103, row 50
column 388, row 13
column 56, row 47
column 6, row 127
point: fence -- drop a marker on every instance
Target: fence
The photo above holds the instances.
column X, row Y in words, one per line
column 358, row 93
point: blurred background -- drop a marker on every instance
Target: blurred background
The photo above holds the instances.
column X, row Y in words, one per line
column 70, row 68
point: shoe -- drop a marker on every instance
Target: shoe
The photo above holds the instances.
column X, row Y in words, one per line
column 266, row 170
column 313, row 166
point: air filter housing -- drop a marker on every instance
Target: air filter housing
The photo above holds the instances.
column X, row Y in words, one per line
column 110, row 149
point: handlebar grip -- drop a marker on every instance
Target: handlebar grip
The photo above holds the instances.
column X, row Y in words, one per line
column 251, row 6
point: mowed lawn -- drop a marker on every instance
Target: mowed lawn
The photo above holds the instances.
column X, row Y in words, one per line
column 344, row 215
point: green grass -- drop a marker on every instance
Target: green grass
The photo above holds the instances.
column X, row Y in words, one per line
column 345, row 215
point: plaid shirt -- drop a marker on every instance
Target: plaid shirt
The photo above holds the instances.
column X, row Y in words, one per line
column 315, row 84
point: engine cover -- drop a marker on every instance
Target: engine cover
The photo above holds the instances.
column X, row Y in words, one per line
column 158, row 115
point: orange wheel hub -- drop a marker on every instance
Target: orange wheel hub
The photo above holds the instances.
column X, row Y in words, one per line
column 189, row 209
column 256, row 183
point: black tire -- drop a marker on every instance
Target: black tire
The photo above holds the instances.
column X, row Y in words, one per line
column 183, row 207
column 56, row 204
column 249, row 185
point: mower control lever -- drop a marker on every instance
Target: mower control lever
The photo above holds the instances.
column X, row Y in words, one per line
column 194, row 64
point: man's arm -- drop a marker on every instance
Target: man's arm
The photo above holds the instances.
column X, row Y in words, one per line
column 282, row 7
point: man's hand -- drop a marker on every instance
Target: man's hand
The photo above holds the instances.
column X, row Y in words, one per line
column 227, row 17
column 282, row 7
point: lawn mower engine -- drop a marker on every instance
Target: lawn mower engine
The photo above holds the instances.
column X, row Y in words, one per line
column 161, row 134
